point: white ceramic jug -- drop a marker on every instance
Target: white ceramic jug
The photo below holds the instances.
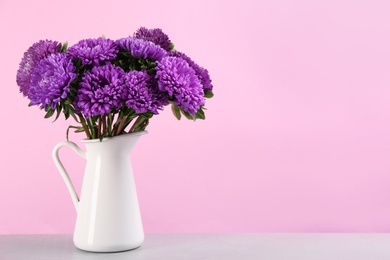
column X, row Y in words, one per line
column 108, row 215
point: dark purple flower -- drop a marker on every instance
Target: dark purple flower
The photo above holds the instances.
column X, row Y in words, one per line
column 30, row 60
column 142, row 94
column 141, row 49
column 50, row 80
column 175, row 76
column 154, row 35
column 94, row 51
column 100, row 91
column 200, row 72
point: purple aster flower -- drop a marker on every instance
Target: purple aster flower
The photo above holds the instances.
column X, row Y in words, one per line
column 141, row 49
column 156, row 36
column 30, row 60
column 142, row 94
column 175, row 76
column 200, row 72
column 190, row 100
column 50, row 80
column 100, row 90
column 94, row 51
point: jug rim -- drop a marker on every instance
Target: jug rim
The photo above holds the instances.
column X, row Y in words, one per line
column 114, row 137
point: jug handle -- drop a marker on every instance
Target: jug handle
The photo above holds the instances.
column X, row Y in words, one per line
column 62, row 170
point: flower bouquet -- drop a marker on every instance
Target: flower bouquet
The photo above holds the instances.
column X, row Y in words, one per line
column 112, row 88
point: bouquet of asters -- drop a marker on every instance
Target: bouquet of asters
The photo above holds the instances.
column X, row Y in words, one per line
column 113, row 87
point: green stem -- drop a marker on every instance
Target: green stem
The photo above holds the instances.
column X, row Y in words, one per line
column 104, row 124
column 116, row 125
column 99, row 127
column 128, row 121
column 109, row 124
column 86, row 130
column 121, row 125
column 92, row 126
column 139, row 124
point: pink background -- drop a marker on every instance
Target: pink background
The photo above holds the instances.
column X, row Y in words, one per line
column 297, row 137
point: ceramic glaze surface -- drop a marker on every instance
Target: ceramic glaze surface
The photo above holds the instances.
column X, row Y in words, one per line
column 108, row 215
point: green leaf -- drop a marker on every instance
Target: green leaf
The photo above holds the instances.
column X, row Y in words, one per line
column 176, row 111
column 64, row 46
column 148, row 114
column 187, row 115
column 200, row 114
column 49, row 113
column 58, row 110
column 66, row 112
column 171, row 46
column 71, row 112
column 79, row 129
column 128, row 112
column 75, row 117
column 208, row 94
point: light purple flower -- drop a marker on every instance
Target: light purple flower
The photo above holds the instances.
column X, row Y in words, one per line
column 100, row 91
column 175, row 76
column 30, row 59
column 50, row 80
column 94, row 51
column 141, row 49
column 200, row 72
column 156, row 36
column 142, row 94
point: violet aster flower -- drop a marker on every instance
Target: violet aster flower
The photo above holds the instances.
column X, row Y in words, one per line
column 190, row 100
column 142, row 94
column 156, row 36
column 100, row 91
column 200, row 72
column 30, row 60
column 94, row 51
column 50, row 80
column 175, row 76
column 141, row 49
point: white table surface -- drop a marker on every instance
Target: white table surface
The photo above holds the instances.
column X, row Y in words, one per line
column 326, row 246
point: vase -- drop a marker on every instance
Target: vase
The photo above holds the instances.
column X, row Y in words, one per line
column 108, row 215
